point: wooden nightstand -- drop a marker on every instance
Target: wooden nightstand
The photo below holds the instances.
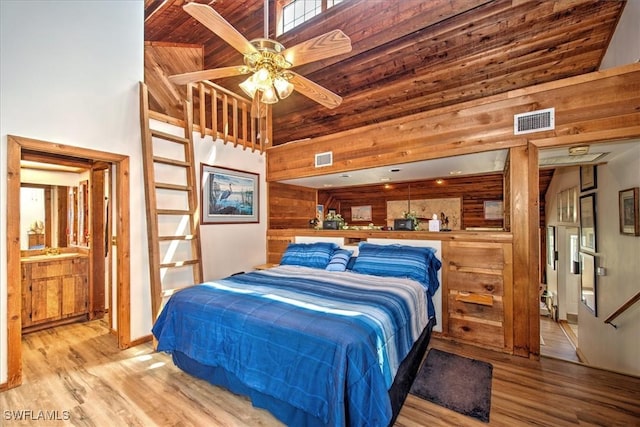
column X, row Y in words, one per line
column 265, row 266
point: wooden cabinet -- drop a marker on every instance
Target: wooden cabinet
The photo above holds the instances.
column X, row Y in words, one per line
column 54, row 290
column 477, row 293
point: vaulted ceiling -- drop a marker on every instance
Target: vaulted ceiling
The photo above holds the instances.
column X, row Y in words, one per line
column 408, row 56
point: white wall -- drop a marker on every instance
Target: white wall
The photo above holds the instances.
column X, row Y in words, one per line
column 624, row 47
column 69, row 74
column 602, row 345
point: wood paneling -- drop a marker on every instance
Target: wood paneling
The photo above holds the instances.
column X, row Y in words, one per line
column 597, row 107
column 290, row 206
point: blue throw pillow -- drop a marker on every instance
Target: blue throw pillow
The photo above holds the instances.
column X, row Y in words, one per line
column 411, row 262
column 315, row 255
column 339, row 260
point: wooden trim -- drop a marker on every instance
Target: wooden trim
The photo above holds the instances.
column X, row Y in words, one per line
column 524, row 214
column 123, row 259
column 14, row 285
column 15, row 145
column 141, row 340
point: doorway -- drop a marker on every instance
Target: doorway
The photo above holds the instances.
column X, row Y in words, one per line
column 120, row 165
column 559, row 330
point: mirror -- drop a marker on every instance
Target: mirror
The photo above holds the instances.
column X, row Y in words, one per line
column 588, row 282
column 33, row 217
column 54, row 216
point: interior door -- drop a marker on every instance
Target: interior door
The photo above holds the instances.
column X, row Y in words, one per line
column 568, row 280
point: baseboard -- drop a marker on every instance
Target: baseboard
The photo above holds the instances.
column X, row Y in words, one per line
column 141, row 340
column 4, row 387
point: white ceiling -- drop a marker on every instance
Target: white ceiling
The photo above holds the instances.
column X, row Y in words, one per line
column 469, row 164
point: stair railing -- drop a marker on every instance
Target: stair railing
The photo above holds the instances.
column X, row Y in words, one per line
column 622, row 309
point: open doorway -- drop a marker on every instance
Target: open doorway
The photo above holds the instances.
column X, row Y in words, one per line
column 559, row 313
column 119, row 165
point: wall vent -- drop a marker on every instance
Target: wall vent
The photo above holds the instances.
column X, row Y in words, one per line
column 534, row 121
column 324, row 159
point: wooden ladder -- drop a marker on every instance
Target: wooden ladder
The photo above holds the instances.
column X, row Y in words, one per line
column 171, row 195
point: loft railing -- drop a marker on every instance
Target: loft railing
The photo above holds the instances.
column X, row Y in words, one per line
column 622, row 309
column 225, row 115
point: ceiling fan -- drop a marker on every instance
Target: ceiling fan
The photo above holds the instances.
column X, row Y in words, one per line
column 268, row 61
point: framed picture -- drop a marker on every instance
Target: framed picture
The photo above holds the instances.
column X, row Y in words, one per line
column 588, row 235
column 588, row 282
column 228, row 196
column 588, row 177
column 629, row 214
column 493, row 209
column 361, row 213
column 551, row 246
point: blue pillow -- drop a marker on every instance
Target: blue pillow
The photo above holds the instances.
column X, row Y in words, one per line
column 315, row 255
column 351, row 262
column 339, row 260
column 411, row 262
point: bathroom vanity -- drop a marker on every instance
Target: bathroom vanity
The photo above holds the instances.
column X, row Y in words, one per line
column 55, row 289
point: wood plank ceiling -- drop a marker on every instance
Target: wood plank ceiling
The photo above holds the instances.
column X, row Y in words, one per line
column 408, row 56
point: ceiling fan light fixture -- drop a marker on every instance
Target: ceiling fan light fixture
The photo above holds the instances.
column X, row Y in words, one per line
column 249, row 87
column 283, row 87
column 269, row 96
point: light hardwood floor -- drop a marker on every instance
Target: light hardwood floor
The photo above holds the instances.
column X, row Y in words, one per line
column 78, row 368
column 556, row 342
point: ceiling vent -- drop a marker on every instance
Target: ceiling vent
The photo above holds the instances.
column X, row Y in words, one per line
column 324, row 159
column 534, row 121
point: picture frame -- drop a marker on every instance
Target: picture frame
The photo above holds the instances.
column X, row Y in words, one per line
column 229, row 196
column 588, row 229
column 588, row 177
column 589, row 282
column 629, row 211
column 551, row 246
column 361, row 213
column 493, row 210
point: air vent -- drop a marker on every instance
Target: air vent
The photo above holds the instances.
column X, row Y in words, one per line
column 534, row 121
column 324, row 159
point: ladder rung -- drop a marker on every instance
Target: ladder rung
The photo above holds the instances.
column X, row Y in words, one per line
column 166, row 186
column 185, row 237
column 180, row 263
column 173, row 212
column 171, row 162
column 169, row 137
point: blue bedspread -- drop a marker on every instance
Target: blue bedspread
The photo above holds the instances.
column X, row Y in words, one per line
column 328, row 343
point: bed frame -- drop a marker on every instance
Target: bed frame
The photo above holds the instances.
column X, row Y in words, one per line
column 293, row 416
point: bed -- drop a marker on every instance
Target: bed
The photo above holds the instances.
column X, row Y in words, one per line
column 325, row 338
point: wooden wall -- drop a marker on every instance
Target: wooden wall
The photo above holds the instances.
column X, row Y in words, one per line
column 290, row 206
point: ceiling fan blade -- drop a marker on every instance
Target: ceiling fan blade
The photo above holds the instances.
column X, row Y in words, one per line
column 216, row 73
column 211, row 19
column 324, row 46
column 314, row 91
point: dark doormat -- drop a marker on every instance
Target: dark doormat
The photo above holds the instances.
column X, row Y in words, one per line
column 455, row 382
